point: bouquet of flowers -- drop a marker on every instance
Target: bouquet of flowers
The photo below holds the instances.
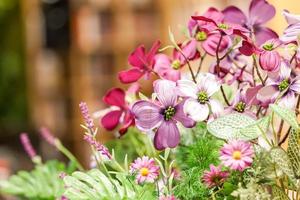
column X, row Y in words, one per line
column 230, row 133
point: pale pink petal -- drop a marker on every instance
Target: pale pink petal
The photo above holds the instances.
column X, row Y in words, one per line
column 187, row 88
column 195, row 110
column 288, row 101
column 182, row 117
column 291, row 18
column 216, row 108
column 166, row 92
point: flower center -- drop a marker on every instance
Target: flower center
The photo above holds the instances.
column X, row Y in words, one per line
column 223, row 26
column 268, row 47
column 176, row 64
column 236, row 155
column 144, row 171
column 202, row 97
column 283, row 85
column 201, row 36
column 169, row 112
column 240, row 107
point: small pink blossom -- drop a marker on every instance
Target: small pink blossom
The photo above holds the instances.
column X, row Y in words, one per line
column 215, row 176
column 170, row 197
column 145, row 170
column 27, row 145
column 237, row 155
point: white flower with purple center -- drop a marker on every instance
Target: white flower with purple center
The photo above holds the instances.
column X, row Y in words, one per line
column 145, row 169
column 199, row 103
column 162, row 115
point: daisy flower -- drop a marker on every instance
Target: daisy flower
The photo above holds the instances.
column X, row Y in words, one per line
column 237, row 155
column 145, row 170
column 215, row 176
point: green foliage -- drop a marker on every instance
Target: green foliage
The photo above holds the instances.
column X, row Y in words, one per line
column 94, row 185
column 287, row 115
column 133, row 144
column 193, row 160
column 251, row 191
column 293, row 150
column 237, row 126
column 42, row 183
column 278, row 193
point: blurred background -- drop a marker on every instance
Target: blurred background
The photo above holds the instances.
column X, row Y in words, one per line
column 56, row 53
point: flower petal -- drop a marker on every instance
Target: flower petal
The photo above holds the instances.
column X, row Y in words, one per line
column 216, row 108
column 263, row 34
column 162, row 65
column 288, row 101
column 182, row 117
column 130, row 76
column 187, row 88
column 295, row 86
column 111, row 119
column 137, row 57
column 147, row 115
column 291, row 18
column 267, row 94
column 115, row 97
column 234, row 15
column 208, row 83
column 167, row 135
column 196, row 111
column 153, row 51
column 166, row 92
column 260, row 12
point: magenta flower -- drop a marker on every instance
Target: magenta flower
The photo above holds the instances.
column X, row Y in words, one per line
column 260, row 12
column 214, row 177
column 237, row 155
column 145, row 170
column 283, row 83
column 220, row 24
column 198, row 102
column 209, row 40
column 162, row 114
column 168, row 68
column 120, row 114
column 141, row 64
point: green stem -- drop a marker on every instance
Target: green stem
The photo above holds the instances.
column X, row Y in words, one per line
column 68, row 154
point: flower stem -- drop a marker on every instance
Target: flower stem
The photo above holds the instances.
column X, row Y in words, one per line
column 257, row 71
column 200, row 64
column 224, row 96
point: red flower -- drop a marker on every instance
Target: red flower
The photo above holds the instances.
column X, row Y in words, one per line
column 141, row 62
column 116, row 97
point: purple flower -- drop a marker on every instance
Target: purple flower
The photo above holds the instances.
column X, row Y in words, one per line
column 198, row 97
column 162, row 114
column 292, row 32
column 168, row 68
column 104, row 152
column 282, row 83
column 85, row 114
column 141, row 62
column 27, row 145
column 47, row 135
column 260, row 12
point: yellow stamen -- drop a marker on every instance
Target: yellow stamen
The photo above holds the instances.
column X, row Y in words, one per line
column 144, row 171
column 236, row 155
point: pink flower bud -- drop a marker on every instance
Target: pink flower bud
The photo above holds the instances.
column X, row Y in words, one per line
column 27, row 145
column 269, row 61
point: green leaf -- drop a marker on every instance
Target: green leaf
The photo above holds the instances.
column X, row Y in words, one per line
column 280, row 158
column 286, row 114
column 293, row 150
column 237, row 126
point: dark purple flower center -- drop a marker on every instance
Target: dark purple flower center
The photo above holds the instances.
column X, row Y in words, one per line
column 240, row 107
column 202, row 97
column 283, row 85
column 201, row 36
column 268, row 47
column 169, row 112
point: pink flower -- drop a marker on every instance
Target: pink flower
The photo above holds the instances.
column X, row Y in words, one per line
column 162, row 115
column 86, row 115
column 100, row 148
column 292, row 32
column 170, row 197
column 145, row 169
column 214, row 177
column 116, row 97
column 237, row 155
column 168, row 68
column 209, row 40
column 47, row 135
column 27, row 145
column 260, row 12
column 141, row 64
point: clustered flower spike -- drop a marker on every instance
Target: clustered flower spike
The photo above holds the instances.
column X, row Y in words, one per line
column 86, row 115
column 47, row 135
column 104, row 152
column 27, row 145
